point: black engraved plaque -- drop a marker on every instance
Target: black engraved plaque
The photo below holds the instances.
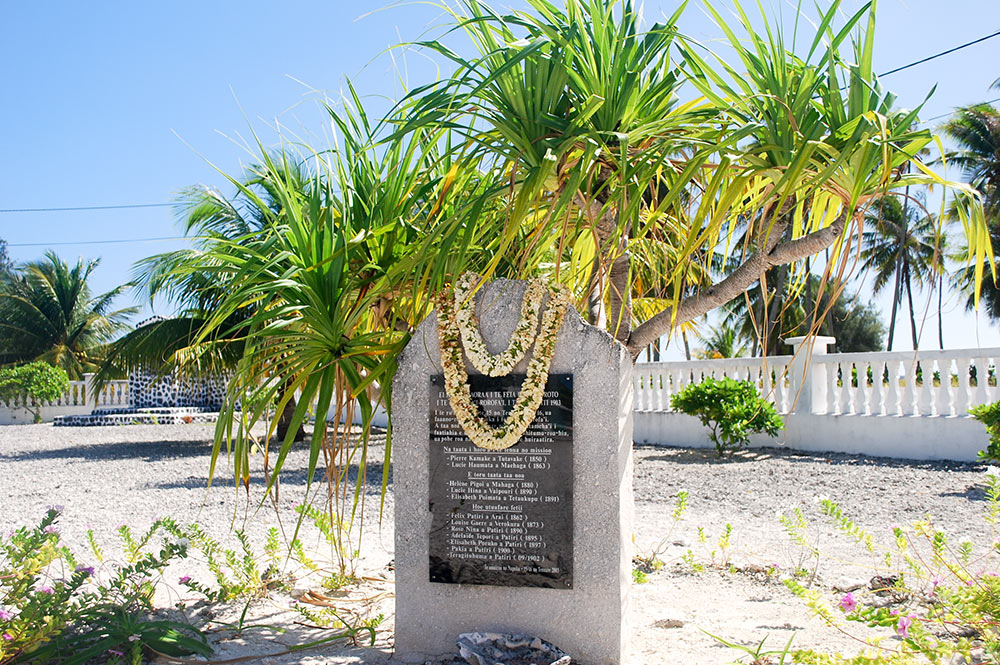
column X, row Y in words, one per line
column 503, row 517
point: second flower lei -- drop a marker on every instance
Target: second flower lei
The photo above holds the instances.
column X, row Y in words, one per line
column 455, row 311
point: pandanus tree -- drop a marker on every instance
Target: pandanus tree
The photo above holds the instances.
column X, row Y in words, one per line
column 48, row 314
column 575, row 113
column 561, row 149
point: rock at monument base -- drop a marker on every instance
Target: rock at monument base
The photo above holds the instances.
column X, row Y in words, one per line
column 499, row 649
column 589, row 619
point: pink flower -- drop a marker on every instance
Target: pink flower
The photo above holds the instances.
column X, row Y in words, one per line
column 903, row 625
column 89, row 570
column 848, row 603
column 51, row 529
column 936, row 582
column 8, row 637
column 46, row 589
column 5, row 615
column 185, row 579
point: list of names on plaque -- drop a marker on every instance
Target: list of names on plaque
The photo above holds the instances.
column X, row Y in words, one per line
column 503, row 517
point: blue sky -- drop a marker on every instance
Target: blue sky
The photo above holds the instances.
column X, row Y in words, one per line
column 121, row 103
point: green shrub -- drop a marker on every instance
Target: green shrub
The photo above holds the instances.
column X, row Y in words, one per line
column 732, row 409
column 39, row 381
column 941, row 597
column 55, row 609
column 989, row 415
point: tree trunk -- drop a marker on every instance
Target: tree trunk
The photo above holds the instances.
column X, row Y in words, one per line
column 595, row 299
column 285, row 419
column 913, row 317
column 773, row 253
column 896, row 297
column 687, row 347
column 940, row 323
column 604, row 220
column 772, row 328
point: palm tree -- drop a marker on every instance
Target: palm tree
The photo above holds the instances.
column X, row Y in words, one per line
column 5, row 262
column 47, row 314
column 901, row 245
column 722, row 341
column 976, row 131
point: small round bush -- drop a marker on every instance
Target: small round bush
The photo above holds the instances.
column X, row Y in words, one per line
column 989, row 415
column 732, row 409
column 39, row 381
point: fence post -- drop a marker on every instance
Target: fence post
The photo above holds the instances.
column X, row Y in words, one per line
column 89, row 391
column 808, row 384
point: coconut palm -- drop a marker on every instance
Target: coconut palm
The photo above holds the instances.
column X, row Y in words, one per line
column 47, row 313
column 901, row 246
column 722, row 341
column 5, row 263
column 976, row 131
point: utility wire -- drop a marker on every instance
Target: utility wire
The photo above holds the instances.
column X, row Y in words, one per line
column 74, row 208
column 945, row 115
column 938, row 55
column 164, row 205
column 94, row 242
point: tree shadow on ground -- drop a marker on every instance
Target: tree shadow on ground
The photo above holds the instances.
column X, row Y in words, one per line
column 972, row 493
column 290, row 476
column 150, row 451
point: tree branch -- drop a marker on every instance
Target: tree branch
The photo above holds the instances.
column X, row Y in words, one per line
column 775, row 253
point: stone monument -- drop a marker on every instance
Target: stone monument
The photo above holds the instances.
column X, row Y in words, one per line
column 534, row 539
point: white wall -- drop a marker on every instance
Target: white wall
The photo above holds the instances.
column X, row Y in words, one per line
column 956, row 438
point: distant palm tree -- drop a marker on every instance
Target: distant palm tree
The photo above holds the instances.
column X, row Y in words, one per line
column 47, row 314
column 901, row 244
column 976, row 131
column 722, row 341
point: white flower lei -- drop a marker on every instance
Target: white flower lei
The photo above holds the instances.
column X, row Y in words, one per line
column 456, row 379
column 502, row 363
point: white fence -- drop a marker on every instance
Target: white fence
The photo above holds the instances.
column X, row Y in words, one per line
column 79, row 399
column 903, row 404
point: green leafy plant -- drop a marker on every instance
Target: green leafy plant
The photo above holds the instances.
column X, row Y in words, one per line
column 989, row 415
column 52, row 608
column 338, row 538
column 237, row 573
column 651, row 562
column 941, row 600
column 732, row 409
column 31, row 385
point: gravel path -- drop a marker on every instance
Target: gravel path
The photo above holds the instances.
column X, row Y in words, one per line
column 108, row 476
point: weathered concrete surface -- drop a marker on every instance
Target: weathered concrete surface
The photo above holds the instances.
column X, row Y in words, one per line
column 590, row 622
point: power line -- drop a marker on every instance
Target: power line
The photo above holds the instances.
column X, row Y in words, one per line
column 945, row 115
column 94, row 242
column 165, row 205
column 938, row 55
column 74, row 208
